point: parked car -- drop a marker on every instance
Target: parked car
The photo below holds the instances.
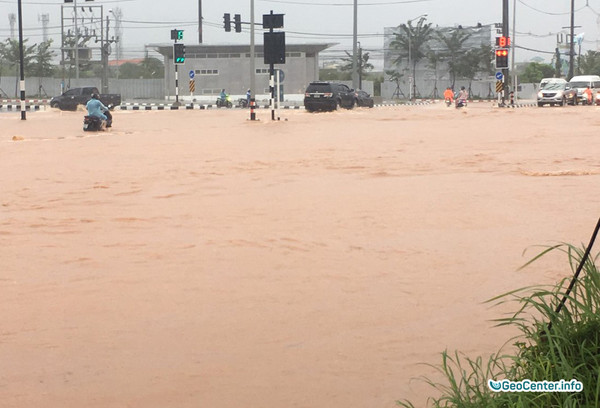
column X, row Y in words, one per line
column 581, row 82
column 80, row 96
column 362, row 98
column 328, row 96
column 556, row 93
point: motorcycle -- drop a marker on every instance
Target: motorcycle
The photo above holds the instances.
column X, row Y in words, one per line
column 460, row 103
column 226, row 103
column 94, row 123
column 448, row 101
column 242, row 103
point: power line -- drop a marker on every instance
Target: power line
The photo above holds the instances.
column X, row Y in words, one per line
column 346, row 4
column 548, row 12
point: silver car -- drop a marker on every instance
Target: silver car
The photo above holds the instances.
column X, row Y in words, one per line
column 554, row 93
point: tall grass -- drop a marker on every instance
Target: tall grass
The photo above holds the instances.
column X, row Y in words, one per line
column 559, row 339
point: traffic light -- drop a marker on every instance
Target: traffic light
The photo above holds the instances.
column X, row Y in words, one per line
column 503, row 42
column 238, row 23
column 227, row 21
column 179, row 53
column 502, row 58
column 176, row 34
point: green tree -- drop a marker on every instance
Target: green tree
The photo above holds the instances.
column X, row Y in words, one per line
column 11, row 57
column 147, row 69
column 590, row 63
column 454, row 51
column 10, row 54
column 411, row 43
column 153, row 68
column 42, row 61
column 535, row 71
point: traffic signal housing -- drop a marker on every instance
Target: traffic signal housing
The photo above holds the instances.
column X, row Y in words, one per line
column 179, row 53
column 227, row 21
column 176, row 34
column 238, row 23
column 502, row 58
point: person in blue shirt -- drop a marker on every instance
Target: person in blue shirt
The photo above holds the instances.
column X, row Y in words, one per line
column 97, row 109
column 248, row 96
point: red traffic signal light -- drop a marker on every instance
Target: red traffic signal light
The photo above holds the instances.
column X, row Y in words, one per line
column 501, row 58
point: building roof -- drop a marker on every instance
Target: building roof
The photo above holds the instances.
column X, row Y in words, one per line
column 118, row 63
column 166, row 49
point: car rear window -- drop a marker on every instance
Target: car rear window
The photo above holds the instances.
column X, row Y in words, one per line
column 580, row 84
column 319, row 88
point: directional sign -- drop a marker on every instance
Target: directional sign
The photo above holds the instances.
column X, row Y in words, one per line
column 499, row 76
column 192, row 74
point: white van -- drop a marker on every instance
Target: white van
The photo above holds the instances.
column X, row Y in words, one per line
column 583, row 81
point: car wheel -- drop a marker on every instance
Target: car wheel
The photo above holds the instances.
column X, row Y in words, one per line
column 563, row 102
column 540, row 104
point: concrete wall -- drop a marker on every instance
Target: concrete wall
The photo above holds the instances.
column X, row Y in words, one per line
column 130, row 89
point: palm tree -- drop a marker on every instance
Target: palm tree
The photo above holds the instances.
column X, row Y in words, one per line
column 363, row 65
column 433, row 59
column 454, row 50
column 411, row 42
column 395, row 76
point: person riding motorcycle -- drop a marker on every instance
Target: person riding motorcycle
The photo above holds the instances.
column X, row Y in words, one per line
column 461, row 98
column 448, row 96
column 97, row 109
column 224, row 99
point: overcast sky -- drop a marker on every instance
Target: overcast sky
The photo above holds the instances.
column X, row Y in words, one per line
column 325, row 21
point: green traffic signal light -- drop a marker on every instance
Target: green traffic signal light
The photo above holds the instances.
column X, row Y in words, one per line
column 178, row 53
column 176, row 34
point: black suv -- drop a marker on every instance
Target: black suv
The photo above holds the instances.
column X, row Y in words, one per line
column 328, row 96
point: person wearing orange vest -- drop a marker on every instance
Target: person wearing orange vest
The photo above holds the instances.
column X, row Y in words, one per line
column 448, row 94
column 588, row 93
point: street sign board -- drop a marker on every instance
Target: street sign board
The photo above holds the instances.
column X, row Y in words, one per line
column 499, row 76
column 192, row 74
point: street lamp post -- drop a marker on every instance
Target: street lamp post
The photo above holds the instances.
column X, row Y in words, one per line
column 413, row 86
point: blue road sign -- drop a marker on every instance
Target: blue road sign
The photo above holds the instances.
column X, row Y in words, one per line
column 499, row 76
column 192, row 74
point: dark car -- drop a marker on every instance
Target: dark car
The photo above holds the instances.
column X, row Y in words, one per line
column 328, row 96
column 80, row 96
column 362, row 98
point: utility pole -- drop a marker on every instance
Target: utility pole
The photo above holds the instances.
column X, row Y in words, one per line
column 252, row 54
column 354, row 48
column 572, row 45
column 512, row 57
column 21, row 64
column 76, row 40
column 104, row 46
column 505, row 33
column 199, row 21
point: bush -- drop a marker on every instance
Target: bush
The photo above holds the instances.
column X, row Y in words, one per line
column 560, row 339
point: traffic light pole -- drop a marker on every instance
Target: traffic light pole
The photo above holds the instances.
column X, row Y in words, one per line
column 505, row 71
column 176, row 79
